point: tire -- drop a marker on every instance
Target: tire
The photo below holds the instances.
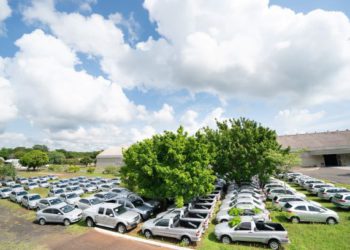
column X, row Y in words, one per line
column 331, row 221
column 295, row 220
column 121, row 228
column 66, row 222
column 274, row 244
column 226, row 239
column 224, row 220
column 185, row 240
column 90, row 222
column 148, row 234
column 42, row 222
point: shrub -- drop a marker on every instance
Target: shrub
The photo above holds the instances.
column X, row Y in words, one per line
column 111, row 170
column 55, row 168
column 235, row 211
column 7, row 171
column 90, row 170
column 235, row 221
column 256, row 210
column 73, row 169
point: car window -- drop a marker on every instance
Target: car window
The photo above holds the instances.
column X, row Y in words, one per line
column 162, row 223
column 128, row 205
column 301, row 208
column 287, row 205
column 120, row 210
column 109, row 212
column 245, row 226
column 47, row 211
column 44, row 202
column 314, row 209
column 101, row 210
column 84, row 201
column 55, row 211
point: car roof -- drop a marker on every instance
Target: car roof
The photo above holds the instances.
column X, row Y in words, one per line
column 109, row 205
column 295, row 203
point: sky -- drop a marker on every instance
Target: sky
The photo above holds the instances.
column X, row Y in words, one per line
column 89, row 74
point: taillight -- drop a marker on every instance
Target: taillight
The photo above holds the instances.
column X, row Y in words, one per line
column 198, row 233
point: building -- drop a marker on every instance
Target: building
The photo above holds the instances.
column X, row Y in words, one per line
column 321, row 149
column 109, row 157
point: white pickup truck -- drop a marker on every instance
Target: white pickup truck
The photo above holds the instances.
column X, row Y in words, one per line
column 172, row 226
column 112, row 216
column 272, row 234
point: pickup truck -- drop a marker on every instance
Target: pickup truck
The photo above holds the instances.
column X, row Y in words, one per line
column 186, row 215
column 112, row 216
column 272, row 234
column 196, row 208
column 173, row 227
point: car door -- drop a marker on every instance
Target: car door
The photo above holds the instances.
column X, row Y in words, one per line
column 109, row 218
column 316, row 215
column 161, row 227
column 100, row 216
column 48, row 214
column 242, row 232
column 57, row 216
column 84, row 204
column 302, row 213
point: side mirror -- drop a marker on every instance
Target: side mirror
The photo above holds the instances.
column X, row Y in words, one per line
column 111, row 215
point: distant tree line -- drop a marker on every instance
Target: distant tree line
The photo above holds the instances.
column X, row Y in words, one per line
column 40, row 155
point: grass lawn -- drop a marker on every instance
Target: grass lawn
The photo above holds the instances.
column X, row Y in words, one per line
column 42, row 172
column 303, row 236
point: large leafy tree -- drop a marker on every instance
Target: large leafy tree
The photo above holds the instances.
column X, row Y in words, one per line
column 56, row 157
column 86, row 161
column 41, row 147
column 242, row 149
column 7, row 170
column 34, row 159
column 170, row 165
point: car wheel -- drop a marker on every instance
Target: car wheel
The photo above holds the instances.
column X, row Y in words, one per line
column 222, row 221
column 226, row 239
column 185, row 240
column 66, row 222
column 42, row 221
column 148, row 234
column 90, row 222
column 295, row 220
column 121, row 228
column 331, row 221
column 274, row 244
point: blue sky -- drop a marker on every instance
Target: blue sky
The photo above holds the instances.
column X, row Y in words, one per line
column 86, row 75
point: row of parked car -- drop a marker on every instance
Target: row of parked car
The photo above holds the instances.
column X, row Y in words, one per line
column 298, row 211
column 243, row 217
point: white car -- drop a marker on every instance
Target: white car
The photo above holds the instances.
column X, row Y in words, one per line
column 16, row 196
column 30, row 201
column 31, row 185
column 70, row 198
column 51, row 201
column 17, row 187
column 88, row 202
column 5, row 192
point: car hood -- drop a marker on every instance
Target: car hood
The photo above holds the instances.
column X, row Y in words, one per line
column 129, row 215
column 222, row 227
column 149, row 223
column 144, row 208
column 74, row 212
column 222, row 213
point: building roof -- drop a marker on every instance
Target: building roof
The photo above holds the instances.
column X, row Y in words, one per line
column 110, row 152
column 322, row 141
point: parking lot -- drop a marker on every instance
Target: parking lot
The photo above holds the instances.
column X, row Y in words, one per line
column 333, row 174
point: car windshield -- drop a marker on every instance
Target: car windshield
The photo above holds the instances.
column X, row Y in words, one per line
column 137, row 203
column 109, row 195
column 16, row 186
column 119, row 210
column 34, row 197
column 89, row 185
column 22, row 193
column 75, row 188
column 95, row 201
column 6, row 190
column 74, row 195
column 67, row 209
column 32, row 184
column 59, row 191
column 55, row 201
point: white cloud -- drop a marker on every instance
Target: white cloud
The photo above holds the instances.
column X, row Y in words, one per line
column 5, row 12
column 164, row 115
column 291, row 121
column 140, row 134
column 9, row 139
column 51, row 92
column 192, row 123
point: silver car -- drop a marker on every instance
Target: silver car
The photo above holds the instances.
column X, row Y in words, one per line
column 75, row 189
column 61, row 213
column 280, row 201
column 251, row 201
column 51, row 201
column 55, row 192
column 31, row 185
column 30, row 201
column 16, row 196
column 262, row 215
column 316, row 187
column 342, row 200
column 70, row 198
column 303, row 211
column 88, row 202
column 43, row 184
column 5, row 192
column 328, row 193
column 88, row 188
column 17, row 187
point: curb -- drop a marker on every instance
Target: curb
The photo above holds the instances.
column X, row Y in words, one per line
column 149, row 242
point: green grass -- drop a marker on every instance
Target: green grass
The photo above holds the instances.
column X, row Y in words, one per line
column 78, row 228
column 41, row 191
column 62, row 174
column 303, row 236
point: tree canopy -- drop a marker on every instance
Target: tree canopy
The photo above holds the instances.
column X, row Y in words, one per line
column 34, row 159
column 7, row 170
column 56, row 157
column 241, row 148
column 169, row 165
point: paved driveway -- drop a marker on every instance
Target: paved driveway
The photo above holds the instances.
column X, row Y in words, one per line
column 334, row 174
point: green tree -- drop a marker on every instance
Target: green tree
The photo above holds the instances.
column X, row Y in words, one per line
column 170, row 165
column 86, row 161
column 18, row 152
column 7, row 170
column 285, row 160
column 56, row 157
column 5, row 153
column 34, row 159
column 41, row 147
column 242, row 149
